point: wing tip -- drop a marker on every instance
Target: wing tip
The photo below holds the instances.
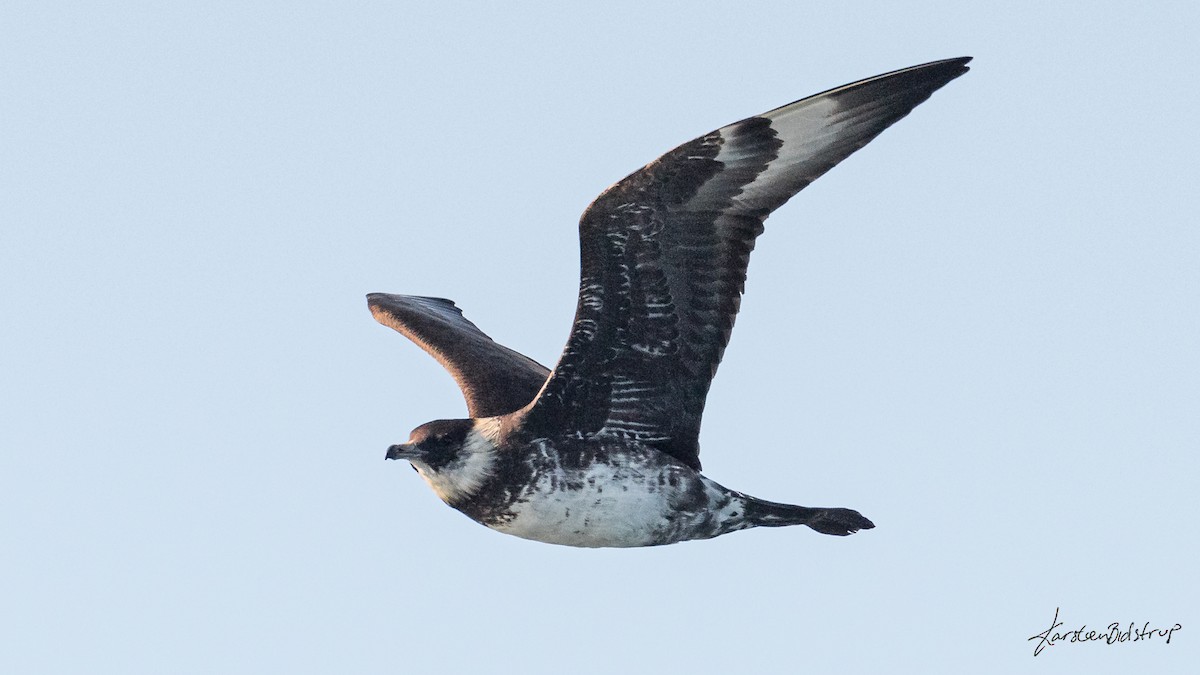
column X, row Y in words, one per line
column 953, row 63
column 954, row 67
column 380, row 299
column 939, row 72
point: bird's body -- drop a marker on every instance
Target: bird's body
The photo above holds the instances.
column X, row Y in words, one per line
column 591, row 493
column 604, row 450
column 595, row 493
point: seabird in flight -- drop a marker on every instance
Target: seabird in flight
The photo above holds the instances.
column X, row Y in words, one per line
column 603, row 450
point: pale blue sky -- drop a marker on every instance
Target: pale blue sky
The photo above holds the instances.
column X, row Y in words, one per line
column 981, row 331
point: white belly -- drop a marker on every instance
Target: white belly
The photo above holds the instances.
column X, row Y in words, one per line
column 611, row 506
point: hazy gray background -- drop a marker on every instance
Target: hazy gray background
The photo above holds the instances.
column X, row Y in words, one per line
column 982, row 331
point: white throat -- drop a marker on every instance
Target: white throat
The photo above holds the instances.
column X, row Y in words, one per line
column 464, row 476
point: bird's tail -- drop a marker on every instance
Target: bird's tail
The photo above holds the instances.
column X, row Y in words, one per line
column 839, row 522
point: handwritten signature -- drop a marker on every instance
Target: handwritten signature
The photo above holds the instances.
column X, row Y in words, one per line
column 1111, row 635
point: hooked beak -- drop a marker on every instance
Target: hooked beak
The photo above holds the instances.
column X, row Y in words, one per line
column 402, row 451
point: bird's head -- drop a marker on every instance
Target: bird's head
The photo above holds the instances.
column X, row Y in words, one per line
column 453, row 456
column 433, row 444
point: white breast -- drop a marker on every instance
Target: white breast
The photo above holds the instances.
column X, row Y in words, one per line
column 474, row 465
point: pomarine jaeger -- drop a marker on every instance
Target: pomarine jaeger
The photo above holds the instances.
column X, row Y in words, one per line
column 603, row 450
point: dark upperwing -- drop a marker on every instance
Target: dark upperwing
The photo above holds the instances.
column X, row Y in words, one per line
column 664, row 256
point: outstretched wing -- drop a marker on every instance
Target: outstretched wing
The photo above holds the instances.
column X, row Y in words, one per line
column 664, row 255
column 494, row 379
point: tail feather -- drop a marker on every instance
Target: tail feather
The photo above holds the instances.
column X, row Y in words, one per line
column 835, row 521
